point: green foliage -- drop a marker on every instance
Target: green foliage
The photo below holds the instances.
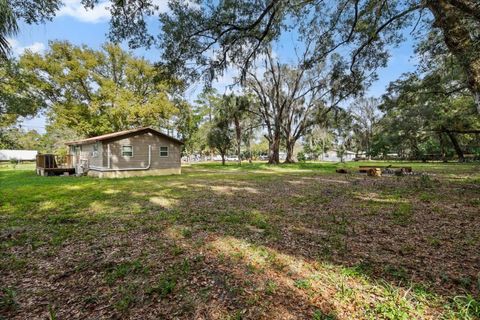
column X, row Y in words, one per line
column 186, row 232
column 52, row 315
column 402, row 213
column 393, row 307
column 18, row 96
column 187, row 125
column 318, row 140
column 98, row 91
column 13, row 162
column 8, row 27
column 319, row 315
column 14, row 138
column 301, row 157
column 168, row 281
column 127, row 297
column 123, row 269
column 425, row 182
column 220, row 137
column 365, row 116
column 7, row 299
column 164, row 286
column 270, row 287
column 244, row 29
column 303, row 284
column 424, row 110
column 467, row 307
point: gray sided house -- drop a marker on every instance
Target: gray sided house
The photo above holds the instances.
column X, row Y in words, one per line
column 135, row 152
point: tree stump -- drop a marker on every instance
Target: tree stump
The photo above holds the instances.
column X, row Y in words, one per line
column 374, row 172
column 341, row 171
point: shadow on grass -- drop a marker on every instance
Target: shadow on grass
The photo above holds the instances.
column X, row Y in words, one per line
column 217, row 244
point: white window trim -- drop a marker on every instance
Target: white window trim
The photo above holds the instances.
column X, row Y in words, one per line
column 125, row 155
column 160, row 152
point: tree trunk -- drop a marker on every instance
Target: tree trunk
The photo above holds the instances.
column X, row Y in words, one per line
column 415, row 151
column 238, row 132
column 442, row 147
column 290, row 146
column 456, row 145
column 274, row 149
column 369, row 145
column 249, row 145
column 223, row 159
column 460, row 41
column 476, row 96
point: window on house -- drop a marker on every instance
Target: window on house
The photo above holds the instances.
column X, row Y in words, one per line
column 127, row 151
column 95, row 150
column 163, row 151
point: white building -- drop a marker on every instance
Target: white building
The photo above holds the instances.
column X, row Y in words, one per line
column 333, row 156
column 20, row 155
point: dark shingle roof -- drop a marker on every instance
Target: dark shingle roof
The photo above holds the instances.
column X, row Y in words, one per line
column 120, row 134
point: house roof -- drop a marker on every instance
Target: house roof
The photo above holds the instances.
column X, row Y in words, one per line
column 119, row 134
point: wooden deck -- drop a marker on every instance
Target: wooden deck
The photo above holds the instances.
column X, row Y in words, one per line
column 54, row 165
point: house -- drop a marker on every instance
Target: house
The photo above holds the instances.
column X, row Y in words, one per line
column 333, row 156
column 136, row 152
column 19, row 155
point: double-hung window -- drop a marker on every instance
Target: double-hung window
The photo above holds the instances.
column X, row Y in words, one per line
column 95, row 150
column 127, row 151
column 163, row 151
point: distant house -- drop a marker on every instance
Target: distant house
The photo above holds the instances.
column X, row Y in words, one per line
column 142, row 151
column 20, row 155
column 333, row 156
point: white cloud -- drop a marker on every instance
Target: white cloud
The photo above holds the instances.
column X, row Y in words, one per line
column 100, row 13
column 75, row 9
column 19, row 49
column 35, row 47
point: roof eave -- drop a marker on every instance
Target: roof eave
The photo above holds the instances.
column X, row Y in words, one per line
column 88, row 141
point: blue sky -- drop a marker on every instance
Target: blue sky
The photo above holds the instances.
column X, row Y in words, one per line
column 75, row 24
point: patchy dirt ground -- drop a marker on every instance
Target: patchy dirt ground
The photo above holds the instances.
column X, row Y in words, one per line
column 253, row 243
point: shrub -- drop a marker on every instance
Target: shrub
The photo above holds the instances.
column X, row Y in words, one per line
column 14, row 162
column 301, row 157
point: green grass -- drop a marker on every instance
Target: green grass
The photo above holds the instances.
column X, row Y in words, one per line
column 121, row 270
column 300, row 237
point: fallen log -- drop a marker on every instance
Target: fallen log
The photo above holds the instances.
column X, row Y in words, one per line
column 366, row 168
column 374, row 172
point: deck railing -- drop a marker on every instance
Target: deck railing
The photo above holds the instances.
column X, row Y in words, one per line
column 52, row 161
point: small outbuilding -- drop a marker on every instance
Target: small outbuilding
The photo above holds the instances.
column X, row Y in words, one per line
column 18, row 155
column 135, row 152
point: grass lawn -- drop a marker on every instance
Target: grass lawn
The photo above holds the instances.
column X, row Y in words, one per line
column 252, row 242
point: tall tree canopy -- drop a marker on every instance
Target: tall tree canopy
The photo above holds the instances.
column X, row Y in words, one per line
column 217, row 34
column 431, row 104
column 292, row 98
column 365, row 116
column 213, row 34
column 99, row 91
column 18, row 98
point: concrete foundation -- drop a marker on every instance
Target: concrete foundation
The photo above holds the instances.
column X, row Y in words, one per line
column 134, row 173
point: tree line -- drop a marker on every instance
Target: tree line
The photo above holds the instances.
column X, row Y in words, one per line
column 316, row 98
